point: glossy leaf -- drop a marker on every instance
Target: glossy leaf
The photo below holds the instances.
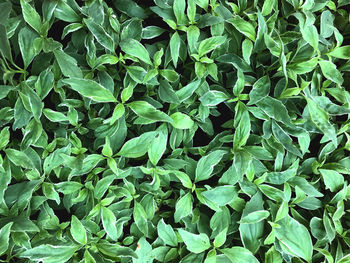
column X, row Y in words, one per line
column 90, row 89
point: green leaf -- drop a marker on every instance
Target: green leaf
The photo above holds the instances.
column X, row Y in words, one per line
column 188, row 90
column 35, row 103
column 247, row 48
column 255, row 217
column 66, row 13
column 206, row 164
column 210, row 44
column 19, row 158
column 90, row 89
column 31, row 16
column 175, row 47
column 267, row 7
column 284, row 139
column 321, row 120
column 242, row 132
column 166, row 233
column 49, row 253
column 341, row 52
column 221, row 195
column 192, row 38
column 333, row 180
column 68, row 187
column 134, row 48
column 146, row 110
column 68, row 64
column 251, row 232
column 5, row 9
column 195, row 243
column 138, row 146
column 330, row 71
column 181, row 121
column 50, row 192
column 310, row 34
column 55, row 116
column 183, row 207
column 275, row 109
column 78, row 231
column 152, row 32
column 109, row 223
column 294, row 238
column 239, row 255
column 140, row 218
column 5, row 237
column 272, row 256
column 100, row 34
column 158, row 145
column 261, row 89
column 345, row 259
column 4, row 137
column 5, row 48
column 25, row 42
column 244, row 27
column 179, row 10
column 213, row 97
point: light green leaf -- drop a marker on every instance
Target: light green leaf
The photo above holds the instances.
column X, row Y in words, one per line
column 19, row 158
column 321, row 120
column 333, row 180
column 50, row 192
column 5, row 237
column 206, row 164
column 68, row 64
column 166, row 233
column 239, row 255
column 181, row 121
column 341, row 52
column 78, row 231
column 25, row 42
column 310, row 34
column 244, row 27
column 255, row 217
column 108, row 222
column 134, row 48
column 294, row 238
column 31, row 16
column 174, row 43
column 140, row 218
column 268, row 7
column 261, row 89
column 68, row 187
column 158, row 145
column 50, row 253
column 242, row 132
column 100, row 34
column 146, row 110
column 330, row 71
column 188, row 90
column 138, row 146
column 213, row 97
column 90, row 89
column 183, row 207
column 55, row 116
column 179, row 10
column 195, row 243
column 221, row 195
column 210, row 44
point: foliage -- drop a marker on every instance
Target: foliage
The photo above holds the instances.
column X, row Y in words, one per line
column 174, row 131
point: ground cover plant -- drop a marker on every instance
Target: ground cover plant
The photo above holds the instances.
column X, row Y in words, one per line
column 174, row 131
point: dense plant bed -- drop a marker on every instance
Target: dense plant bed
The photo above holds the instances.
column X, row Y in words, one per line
column 174, row 131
